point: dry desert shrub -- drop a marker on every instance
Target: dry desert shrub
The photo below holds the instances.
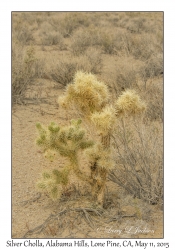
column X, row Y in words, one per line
column 123, row 20
column 113, row 18
column 125, row 75
column 71, row 22
column 91, row 61
column 19, row 81
column 80, row 42
column 136, row 24
column 64, row 70
column 95, row 35
column 49, row 36
column 108, row 43
column 25, row 68
column 141, row 24
column 39, row 19
column 24, row 35
column 52, row 38
column 139, row 160
column 83, row 38
column 120, row 42
column 30, row 18
column 140, row 46
column 45, row 27
column 153, row 95
column 22, row 29
column 152, row 67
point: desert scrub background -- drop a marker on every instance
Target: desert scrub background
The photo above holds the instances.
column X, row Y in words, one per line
column 124, row 50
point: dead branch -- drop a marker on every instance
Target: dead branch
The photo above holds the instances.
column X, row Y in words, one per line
column 51, row 218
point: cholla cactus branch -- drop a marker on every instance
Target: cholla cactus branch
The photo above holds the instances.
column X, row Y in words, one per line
column 86, row 93
column 54, row 182
column 67, row 141
column 129, row 103
column 104, row 120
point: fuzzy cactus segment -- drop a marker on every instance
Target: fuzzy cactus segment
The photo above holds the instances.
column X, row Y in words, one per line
column 86, row 93
column 48, row 184
column 104, row 121
column 129, row 103
column 54, row 182
column 100, row 157
column 64, row 140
